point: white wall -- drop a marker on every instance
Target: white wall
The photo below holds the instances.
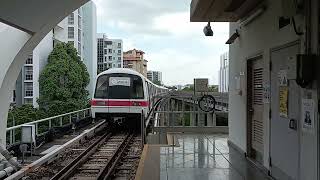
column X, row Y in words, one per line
column 259, row 37
column 90, row 42
column 40, row 60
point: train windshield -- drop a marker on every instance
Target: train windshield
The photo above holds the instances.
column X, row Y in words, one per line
column 119, row 86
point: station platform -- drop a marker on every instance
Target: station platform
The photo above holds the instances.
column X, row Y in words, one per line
column 197, row 156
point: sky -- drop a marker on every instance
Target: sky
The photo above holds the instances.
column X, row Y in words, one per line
column 162, row 29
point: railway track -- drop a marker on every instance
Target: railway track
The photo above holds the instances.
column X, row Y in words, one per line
column 112, row 156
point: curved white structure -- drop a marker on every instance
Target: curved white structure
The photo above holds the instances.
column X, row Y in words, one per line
column 29, row 22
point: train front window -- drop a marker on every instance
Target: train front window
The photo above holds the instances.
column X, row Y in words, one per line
column 119, row 86
column 102, row 87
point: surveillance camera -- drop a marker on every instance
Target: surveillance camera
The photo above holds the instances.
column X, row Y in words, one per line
column 207, row 30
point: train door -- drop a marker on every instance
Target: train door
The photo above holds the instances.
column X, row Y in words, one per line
column 284, row 139
column 255, row 103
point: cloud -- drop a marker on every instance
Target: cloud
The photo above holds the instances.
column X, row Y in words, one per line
column 162, row 29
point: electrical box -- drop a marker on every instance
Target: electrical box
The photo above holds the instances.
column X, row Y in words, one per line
column 28, row 134
column 201, row 85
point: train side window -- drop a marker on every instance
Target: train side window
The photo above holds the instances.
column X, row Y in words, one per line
column 137, row 88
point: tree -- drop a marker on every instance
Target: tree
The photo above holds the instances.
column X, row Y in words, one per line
column 157, row 82
column 63, row 82
column 25, row 113
column 213, row 88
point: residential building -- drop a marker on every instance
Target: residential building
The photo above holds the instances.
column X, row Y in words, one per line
column 109, row 53
column 90, row 42
column 134, row 59
column 27, row 85
column 69, row 30
column 155, row 76
column 224, row 73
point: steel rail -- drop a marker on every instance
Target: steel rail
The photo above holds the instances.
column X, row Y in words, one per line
column 113, row 161
column 72, row 166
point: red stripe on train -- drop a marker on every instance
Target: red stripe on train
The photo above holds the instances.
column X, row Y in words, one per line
column 119, row 103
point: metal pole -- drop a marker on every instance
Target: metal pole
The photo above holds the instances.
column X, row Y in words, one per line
column 142, row 129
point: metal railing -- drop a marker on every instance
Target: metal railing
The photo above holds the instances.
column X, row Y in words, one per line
column 43, row 126
column 180, row 113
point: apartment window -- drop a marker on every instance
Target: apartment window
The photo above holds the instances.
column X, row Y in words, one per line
column 71, row 32
column 79, row 22
column 79, row 48
column 110, row 50
column 119, row 65
column 29, row 60
column 28, row 73
column 110, row 65
column 114, row 58
column 28, row 89
column 79, row 35
column 105, row 51
column 100, row 60
column 100, row 68
column 110, row 57
column 114, row 51
column 71, row 19
column 114, row 65
column 119, row 45
column 119, row 58
column 28, row 101
column 106, row 43
column 105, row 58
column 119, row 51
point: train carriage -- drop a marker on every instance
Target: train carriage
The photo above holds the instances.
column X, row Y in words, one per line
column 122, row 93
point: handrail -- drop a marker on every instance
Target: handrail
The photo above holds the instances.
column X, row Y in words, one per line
column 11, row 139
column 46, row 119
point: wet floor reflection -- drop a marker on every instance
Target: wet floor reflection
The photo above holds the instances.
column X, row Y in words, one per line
column 204, row 157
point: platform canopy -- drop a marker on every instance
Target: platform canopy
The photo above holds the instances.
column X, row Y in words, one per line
column 32, row 15
column 221, row 10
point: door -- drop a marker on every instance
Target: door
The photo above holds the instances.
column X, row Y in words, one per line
column 255, row 109
column 285, row 103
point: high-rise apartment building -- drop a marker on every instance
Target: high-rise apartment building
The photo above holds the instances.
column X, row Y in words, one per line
column 134, row 59
column 224, row 73
column 109, row 53
column 155, row 76
column 90, row 42
column 72, row 30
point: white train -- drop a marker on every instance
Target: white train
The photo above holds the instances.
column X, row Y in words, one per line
column 122, row 93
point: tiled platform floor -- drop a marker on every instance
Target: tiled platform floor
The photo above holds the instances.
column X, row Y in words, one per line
column 204, row 157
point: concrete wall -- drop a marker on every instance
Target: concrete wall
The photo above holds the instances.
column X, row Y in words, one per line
column 14, row 39
column 257, row 38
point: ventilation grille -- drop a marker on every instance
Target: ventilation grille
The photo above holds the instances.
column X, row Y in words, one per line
column 258, row 86
column 257, row 132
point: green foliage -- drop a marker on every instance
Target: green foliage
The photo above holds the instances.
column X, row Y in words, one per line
column 157, row 83
column 25, row 113
column 190, row 88
column 63, row 82
column 213, row 88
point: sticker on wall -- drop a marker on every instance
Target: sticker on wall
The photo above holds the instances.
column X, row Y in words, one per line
column 283, row 101
column 266, row 93
column 283, row 78
column 307, row 113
